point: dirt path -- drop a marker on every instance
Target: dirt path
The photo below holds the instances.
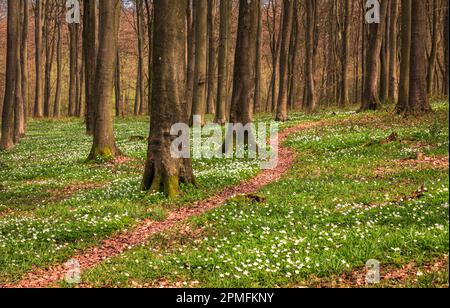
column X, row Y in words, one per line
column 118, row 244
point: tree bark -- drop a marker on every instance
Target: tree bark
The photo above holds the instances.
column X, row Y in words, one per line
column 38, row 31
column 12, row 58
column 282, row 105
column 310, row 99
column 104, row 144
column 57, row 104
column 24, row 63
column 73, row 70
column 222, row 82
column 210, row 104
column 446, row 48
column 200, row 71
column 371, row 100
column 418, row 96
column 393, row 62
column 163, row 172
column 344, row 100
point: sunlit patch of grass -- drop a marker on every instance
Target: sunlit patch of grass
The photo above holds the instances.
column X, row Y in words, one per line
column 328, row 216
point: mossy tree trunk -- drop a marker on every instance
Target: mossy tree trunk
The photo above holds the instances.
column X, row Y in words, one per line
column 163, row 172
column 104, row 145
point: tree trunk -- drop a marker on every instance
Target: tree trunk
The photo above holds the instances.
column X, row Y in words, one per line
column 393, row 79
column 371, row 100
column 258, row 64
column 90, row 58
column 446, row 48
column 403, row 95
column 434, row 47
column 12, row 58
column 73, row 51
column 38, row 31
column 418, row 96
column 385, row 56
column 163, row 172
column 117, row 87
column 210, row 104
column 49, row 54
column 24, row 63
column 344, row 100
column 282, row 105
column 200, row 82
column 310, row 98
column 104, row 145
column 222, row 81
column 189, row 92
column 57, row 105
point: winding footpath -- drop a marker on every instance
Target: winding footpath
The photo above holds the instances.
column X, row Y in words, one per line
column 145, row 229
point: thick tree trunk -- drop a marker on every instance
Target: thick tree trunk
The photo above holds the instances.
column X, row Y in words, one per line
column 282, row 105
column 244, row 65
column 200, row 80
column 90, row 56
column 222, row 81
column 418, row 96
column 371, row 100
column 11, row 79
column 434, row 47
column 104, row 145
column 163, row 172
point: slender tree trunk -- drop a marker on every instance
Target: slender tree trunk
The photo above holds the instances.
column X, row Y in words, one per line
column 258, row 64
column 57, row 104
column 344, row 100
column 117, row 87
column 163, row 172
column 385, row 56
column 446, row 48
column 222, row 82
column 200, row 82
column 282, row 110
column 39, row 26
column 104, row 144
column 90, row 56
column 73, row 33
column 24, row 63
column 211, row 108
column 418, row 96
column 403, row 95
column 49, row 54
column 189, row 93
column 434, row 47
column 295, row 64
column 12, row 58
column 393, row 62
column 310, row 98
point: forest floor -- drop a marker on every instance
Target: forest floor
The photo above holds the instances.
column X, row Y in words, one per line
column 361, row 187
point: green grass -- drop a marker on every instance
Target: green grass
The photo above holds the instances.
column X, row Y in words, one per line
column 329, row 216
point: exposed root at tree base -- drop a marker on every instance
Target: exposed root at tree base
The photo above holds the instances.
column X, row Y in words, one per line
column 147, row 228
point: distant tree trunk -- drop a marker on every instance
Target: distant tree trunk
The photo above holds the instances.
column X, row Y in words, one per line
column 310, row 98
column 446, row 48
column 295, row 64
column 12, row 58
column 258, row 64
column 211, row 109
column 49, row 54
column 393, row 62
column 222, row 81
column 117, row 87
column 385, row 56
column 371, row 100
column 344, row 100
column 282, row 105
column 418, row 96
column 163, row 172
column 104, row 145
column 189, row 92
column 90, row 56
column 140, row 97
column 434, row 46
column 24, row 63
column 57, row 105
column 18, row 103
column 38, row 30
column 405, row 64
column 73, row 71
column 200, row 83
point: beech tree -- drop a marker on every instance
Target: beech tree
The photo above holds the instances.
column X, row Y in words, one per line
column 104, row 144
column 163, row 172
